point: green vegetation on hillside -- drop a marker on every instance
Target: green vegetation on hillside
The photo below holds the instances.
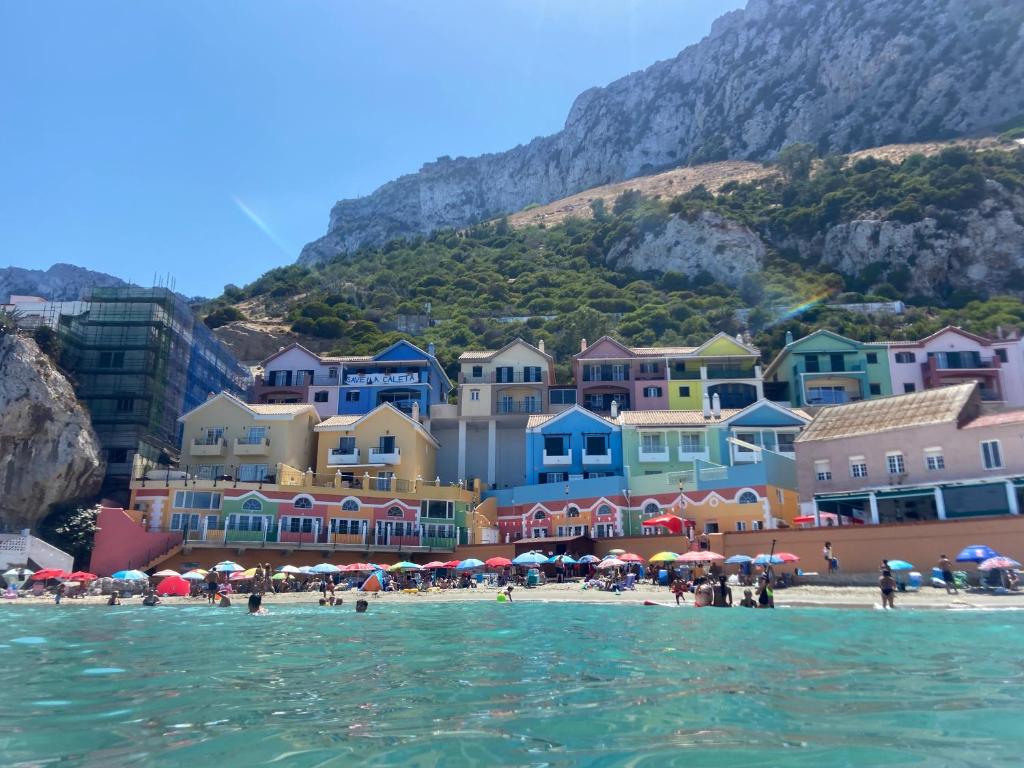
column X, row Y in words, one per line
column 481, row 283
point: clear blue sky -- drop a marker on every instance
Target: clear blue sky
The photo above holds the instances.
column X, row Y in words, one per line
column 135, row 135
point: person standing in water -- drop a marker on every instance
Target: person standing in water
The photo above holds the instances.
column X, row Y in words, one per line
column 704, row 594
column 748, row 599
column 256, row 606
column 765, row 593
column 887, row 584
column 211, row 587
column 679, row 590
column 723, row 594
column 361, row 606
column 947, row 575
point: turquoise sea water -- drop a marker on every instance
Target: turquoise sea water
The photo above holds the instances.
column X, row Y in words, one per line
column 527, row 684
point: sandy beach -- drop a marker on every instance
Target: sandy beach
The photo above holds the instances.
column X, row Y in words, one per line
column 800, row 596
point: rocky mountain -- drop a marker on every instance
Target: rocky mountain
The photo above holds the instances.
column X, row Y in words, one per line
column 49, row 452
column 61, row 282
column 839, row 74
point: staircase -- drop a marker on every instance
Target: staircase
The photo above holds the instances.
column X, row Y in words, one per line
column 157, row 559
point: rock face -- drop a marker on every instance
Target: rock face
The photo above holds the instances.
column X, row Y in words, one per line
column 839, row 74
column 707, row 242
column 61, row 282
column 49, row 452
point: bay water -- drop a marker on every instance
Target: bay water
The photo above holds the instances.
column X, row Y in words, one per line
column 526, row 684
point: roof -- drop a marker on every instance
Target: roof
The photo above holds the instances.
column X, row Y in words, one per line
column 349, row 422
column 918, row 409
column 665, row 351
column 256, row 409
column 948, row 329
column 540, row 419
column 820, row 332
column 672, row 418
column 661, row 351
column 997, row 419
column 338, row 421
column 488, row 354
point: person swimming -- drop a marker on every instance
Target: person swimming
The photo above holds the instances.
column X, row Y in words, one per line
column 361, row 606
column 256, row 606
column 748, row 599
column 703, row 594
column 115, row 598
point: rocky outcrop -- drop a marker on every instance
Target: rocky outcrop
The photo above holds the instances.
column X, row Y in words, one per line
column 839, row 74
column 49, row 452
column 61, row 282
column 707, row 243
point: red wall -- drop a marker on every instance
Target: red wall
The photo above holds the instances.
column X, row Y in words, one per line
column 122, row 543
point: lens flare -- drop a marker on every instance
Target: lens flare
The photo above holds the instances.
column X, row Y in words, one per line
column 264, row 227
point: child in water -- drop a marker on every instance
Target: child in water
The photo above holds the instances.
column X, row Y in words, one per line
column 748, row 599
column 256, row 606
column 361, row 606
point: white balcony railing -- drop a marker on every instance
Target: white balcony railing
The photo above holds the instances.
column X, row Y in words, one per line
column 597, row 458
column 341, row 456
column 557, row 459
column 653, row 456
column 687, row 455
column 378, row 456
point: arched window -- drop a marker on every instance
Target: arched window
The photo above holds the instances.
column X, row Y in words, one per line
column 572, row 512
column 395, row 512
column 540, row 514
column 651, row 509
column 747, row 497
column 350, row 505
column 604, row 509
column 252, row 505
column 303, row 502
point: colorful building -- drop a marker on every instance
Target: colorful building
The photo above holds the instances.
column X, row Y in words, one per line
column 952, row 356
column 402, row 374
column 666, row 378
column 575, row 444
column 931, row 455
column 824, row 368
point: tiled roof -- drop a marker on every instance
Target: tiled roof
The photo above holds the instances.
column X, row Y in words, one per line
column 672, row 418
column 348, row 359
column 661, row 351
column 338, row 421
column 539, row 418
column 932, row 406
column 272, row 409
column 997, row 419
column 477, row 354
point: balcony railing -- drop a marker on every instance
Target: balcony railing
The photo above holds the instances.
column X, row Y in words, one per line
column 597, row 458
column 275, row 534
column 685, row 454
column 206, row 446
column 326, row 381
column 685, row 375
column 557, row 459
column 517, row 377
column 341, row 456
column 382, row 456
column 519, row 406
column 731, row 373
column 653, row 456
column 252, row 446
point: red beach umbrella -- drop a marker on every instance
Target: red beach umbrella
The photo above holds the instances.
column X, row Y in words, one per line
column 787, row 557
column 50, row 573
column 173, row 585
column 674, row 523
column 629, row 557
column 434, row 564
column 83, row 576
column 452, row 564
column 498, row 562
column 356, row 567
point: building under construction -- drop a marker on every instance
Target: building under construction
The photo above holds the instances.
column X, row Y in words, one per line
column 140, row 358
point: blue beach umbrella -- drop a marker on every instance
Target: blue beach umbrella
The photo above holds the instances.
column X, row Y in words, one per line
column 325, row 568
column 763, row 559
column 130, row 575
column 738, row 559
column 976, row 553
column 564, row 559
column 470, row 564
column 900, row 565
column 587, row 559
column 228, row 566
column 529, row 558
column 305, row 569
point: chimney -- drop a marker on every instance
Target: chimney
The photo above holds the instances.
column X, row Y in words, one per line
column 716, row 406
column 789, row 338
column 615, row 409
column 431, row 349
column 739, row 337
column 706, row 406
column 583, row 345
column 540, row 345
column 415, row 410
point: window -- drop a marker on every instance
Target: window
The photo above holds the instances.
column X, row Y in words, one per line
column 350, row 505
column 909, row 387
column 934, row 460
column 383, row 481
column 298, row 524
column 474, row 394
column 342, row 526
column 779, row 496
column 395, row 512
column 552, row 477
column 823, row 470
column 531, row 373
column 786, row 440
column 858, row 466
column 1003, row 357
column 563, row 396
column 572, row 512
column 652, row 391
column 478, row 371
column 352, row 396
column 125, row 404
column 757, row 525
column 837, row 362
column 596, row 445
column 504, row 374
column 303, row 502
column 651, row 509
column 196, row 500
column 320, row 397
column 556, row 445
column 437, row 510
column 992, row 454
column 180, row 522
column 252, row 473
column 872, row 358
column 741, row 526
column 604, row 509
column 209, row 471
column 684, row 391
column 386, row 444
column 894, row 461
column 811, row 364
column 255, row 436
column 906, row 357
column 347, row 445
column 651, row 442
column 747, row 497
column 111, row 360
column 618, row 372
column 691, row 442
column 252, row 505
column 540, row 514
column 747, row 437
column 648, row 367
column 875, row 389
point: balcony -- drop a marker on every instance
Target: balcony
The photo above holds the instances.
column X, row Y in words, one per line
column 325, row 381
column 731, row 373
column 516, row 377
column 654, row 456
column 557, row 459
column 684, row 454
column 205, row 446
column 685, row 375
column 518, row 406
column 252, row 446
column 597, row 458
column 380, row 456
column 339, row 457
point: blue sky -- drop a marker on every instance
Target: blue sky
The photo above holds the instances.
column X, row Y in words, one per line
column 208, row 140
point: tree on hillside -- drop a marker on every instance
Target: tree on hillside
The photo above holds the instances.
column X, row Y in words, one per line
column 795, row 161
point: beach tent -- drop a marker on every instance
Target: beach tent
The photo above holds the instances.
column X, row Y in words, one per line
column 173, row 585
column 375, row 582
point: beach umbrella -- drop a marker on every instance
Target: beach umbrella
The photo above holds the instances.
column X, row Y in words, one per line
column 699, row 557
column 84, row 576
column 280, row 576
column 629, row 557
column 238, row 576
column 467, row 565
column 405, row 565
column 663, row 557
column 611, row 562
column 164, row 573
column 435, row 564
column 615, row 552
column 738, row 559
column 356, row 567
column 452, row 564
column 287, row 569
column 306, row 569
column 373, row 583
column 674, row 523
column 900, row 565
column 498, row 562
column 227, row 566
column 995, row 563
column 173, row 585
column 325, row 568
column 764, row 559
column 563, row 559
column 976, row 553
column 194, row 576
column 530, row 558
column 53, row 573
column 787, row 557
column 587, row 559
column 130, row 575
column 13, row 573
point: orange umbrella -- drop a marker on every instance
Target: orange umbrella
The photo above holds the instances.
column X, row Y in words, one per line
column 629, row 557
column 498, row 562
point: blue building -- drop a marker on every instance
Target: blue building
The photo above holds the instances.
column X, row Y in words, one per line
column 575, row 444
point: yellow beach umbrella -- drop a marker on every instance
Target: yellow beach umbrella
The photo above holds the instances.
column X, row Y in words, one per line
column 663, row 557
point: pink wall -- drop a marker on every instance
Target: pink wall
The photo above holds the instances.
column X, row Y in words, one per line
column 122, row 543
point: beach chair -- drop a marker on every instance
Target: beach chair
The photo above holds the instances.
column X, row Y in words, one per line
column 630, row 582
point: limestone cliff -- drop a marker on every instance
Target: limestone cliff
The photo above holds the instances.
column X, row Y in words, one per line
column 839, row 74
column 61, row 282
column 49, row 452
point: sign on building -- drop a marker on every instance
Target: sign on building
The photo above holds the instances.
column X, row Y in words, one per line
column 382, row 379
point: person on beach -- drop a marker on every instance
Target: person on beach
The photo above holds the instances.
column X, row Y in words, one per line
column 947, row 575
column 703, row 594
column 508, row 592
column 830, row 557
column 150, row 598
column 765, row 593
column 114, row 599
column 211, row 587
column 748, row 599
column 59, row 592
column 361, row 606
column 723, row 594
column 679, row 590
column 887, row 584
column 256, row 606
